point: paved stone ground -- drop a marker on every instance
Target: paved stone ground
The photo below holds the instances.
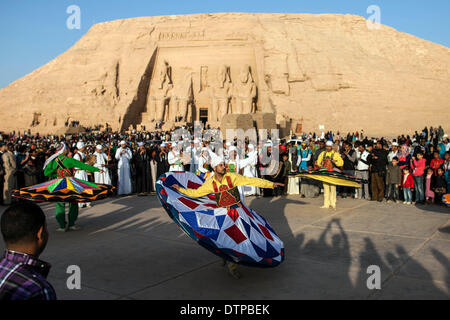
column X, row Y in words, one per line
column 130, row 249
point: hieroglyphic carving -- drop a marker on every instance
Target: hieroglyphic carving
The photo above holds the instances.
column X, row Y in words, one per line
column 182, row 35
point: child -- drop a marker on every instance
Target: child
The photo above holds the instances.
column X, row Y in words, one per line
column 393, row 180
column 436, row 162
column 429, row 182
column 418, row 165
column 440, row 185
column 407, row 185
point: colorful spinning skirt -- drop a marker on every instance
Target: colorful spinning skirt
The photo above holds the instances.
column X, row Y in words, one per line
column 68, row 189
column 236, row 233
column 331, row 177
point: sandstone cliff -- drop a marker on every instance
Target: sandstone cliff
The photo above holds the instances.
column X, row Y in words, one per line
column 326, row 70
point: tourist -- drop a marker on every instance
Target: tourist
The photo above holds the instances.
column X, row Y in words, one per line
column 320, row 149
column 304, row 156
column 394, row 152
column 446, row 168
column 378, row 171
column 393, row 180
column 363, row 158
column 429, row 183
column 9, row 164
column 287, row 168
column 2, row 171
column 349, row 157
column 407, row 185
column 30, row 170
column 436, row 162
column 124, row 156
column 22, row 275
column 440, row 186
column 418, row 164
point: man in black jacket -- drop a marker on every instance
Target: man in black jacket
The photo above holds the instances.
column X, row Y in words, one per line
column 378, row 165
column 142, row 165
column 349, row 157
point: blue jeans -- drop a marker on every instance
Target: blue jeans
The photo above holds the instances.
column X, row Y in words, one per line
column 407, row 194
column 418, row 185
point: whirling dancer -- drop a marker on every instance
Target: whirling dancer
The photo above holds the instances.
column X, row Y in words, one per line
column 235, row 242
column 329, row 173
column 59, row 166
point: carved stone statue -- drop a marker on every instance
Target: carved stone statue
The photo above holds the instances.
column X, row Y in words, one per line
column 184, row 98
column 245, row 92
column 159, row 97
column 221, row 94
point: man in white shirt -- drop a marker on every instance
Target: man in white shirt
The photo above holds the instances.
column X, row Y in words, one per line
column 394, row 152
column 362, row 170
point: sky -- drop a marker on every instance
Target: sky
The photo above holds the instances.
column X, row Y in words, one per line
column 34, row 32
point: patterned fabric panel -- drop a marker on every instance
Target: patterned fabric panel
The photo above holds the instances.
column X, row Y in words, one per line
column 239, row 234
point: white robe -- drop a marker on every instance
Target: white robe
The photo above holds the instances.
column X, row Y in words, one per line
column 201, row 163
column 193, row 151
column 237, row 162
column 124, row 171
column 80, row 174
column 104, row 177
column 249, row 165
column 173, row 158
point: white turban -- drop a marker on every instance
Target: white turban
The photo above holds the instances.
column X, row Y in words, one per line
column 122, row 142
column 329, row 143
column 99, row 147
column 215, row 160
column 80, row 145
column 250, row 146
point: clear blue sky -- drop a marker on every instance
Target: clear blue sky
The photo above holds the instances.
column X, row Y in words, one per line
column 33, row 32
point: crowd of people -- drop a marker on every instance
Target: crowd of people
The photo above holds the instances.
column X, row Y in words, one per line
column 408, row 169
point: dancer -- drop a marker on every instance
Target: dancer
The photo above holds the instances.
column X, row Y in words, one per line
column 59, row 166
column 224, row 185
